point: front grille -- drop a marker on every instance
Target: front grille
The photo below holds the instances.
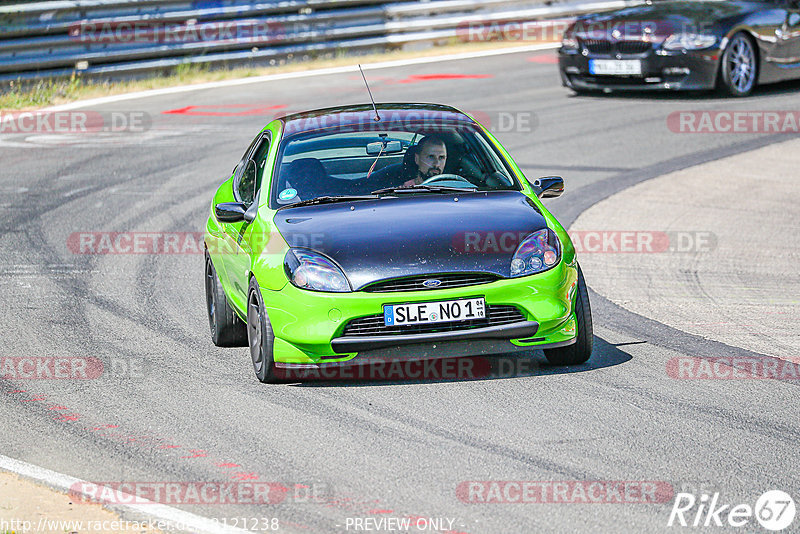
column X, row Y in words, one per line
column 625, row 48
column 415, row 283
column 632, row 47
column 598, row 47
column 373, row 324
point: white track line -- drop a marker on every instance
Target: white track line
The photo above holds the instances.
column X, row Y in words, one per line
column 300, row 74
column 177, row 519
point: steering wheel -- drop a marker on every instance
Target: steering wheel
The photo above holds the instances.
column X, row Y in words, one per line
column 448, row 178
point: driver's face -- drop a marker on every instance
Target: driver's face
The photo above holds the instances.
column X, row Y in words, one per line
column 431, row 159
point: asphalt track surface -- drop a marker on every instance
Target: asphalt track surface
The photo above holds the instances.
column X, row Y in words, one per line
column 195, row 413
column 708, row 284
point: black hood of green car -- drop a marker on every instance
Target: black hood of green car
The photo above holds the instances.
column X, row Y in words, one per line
column 421, row 234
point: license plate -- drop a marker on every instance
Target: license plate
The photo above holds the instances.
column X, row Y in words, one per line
column 446, row 311
column 615, row 67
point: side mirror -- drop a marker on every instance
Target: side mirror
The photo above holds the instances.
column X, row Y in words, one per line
column 230, row 212
column 548, row 186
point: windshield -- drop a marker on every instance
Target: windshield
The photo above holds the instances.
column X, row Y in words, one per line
column 343, row 162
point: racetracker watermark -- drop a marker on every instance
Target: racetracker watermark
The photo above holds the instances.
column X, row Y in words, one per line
column 469, row 242
column 73, row 122
column 498, row 121
column 553, row 30
column 592, row 241
column 138, row 243
column 422, row 121
column 735, row 122
column 50, row 368
column 71, row 368
column 45, row 524
column 775, row 510
column 605, row 29
column 564, row 492
column 204, row 493
column 733, row 368
column 250, row 31
column 539, row 31
column 127, row 243
column 467, row 368
column 642, row 241
column 105, row 526
column 440, row 367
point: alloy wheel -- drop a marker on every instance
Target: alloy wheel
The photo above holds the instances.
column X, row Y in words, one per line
column 741, row 64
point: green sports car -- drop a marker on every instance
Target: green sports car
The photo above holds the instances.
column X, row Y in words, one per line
column 358, row 234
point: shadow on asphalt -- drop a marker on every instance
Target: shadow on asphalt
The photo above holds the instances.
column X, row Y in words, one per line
column 762, row 91
column 499, row 367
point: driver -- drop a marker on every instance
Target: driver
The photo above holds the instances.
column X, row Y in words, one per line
column 429, row 160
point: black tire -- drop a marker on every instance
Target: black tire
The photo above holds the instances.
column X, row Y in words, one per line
column 261, row 337
column 227, row 330
column 738, row 74
column 580, row 351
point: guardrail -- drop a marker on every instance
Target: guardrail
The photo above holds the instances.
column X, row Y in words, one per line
column 119, row 38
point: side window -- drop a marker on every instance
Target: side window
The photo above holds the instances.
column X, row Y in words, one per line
column 240, row 166
column 253, row 169
column 260, row 158
column 247, row 183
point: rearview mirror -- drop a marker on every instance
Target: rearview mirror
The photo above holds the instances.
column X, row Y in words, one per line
column 230, row 212
column 548, row 186
column 388, row 147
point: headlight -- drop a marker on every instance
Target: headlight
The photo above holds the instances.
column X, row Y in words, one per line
column 311, row 270
column 538, row 252
column 689, row 41
column 569, row 41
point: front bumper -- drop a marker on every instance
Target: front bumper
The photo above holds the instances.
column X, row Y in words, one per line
column 522, row 330
column 309, row 325
column 690, row 70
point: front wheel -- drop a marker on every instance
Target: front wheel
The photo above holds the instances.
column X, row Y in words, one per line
column 260, row 335
column 227, row 330
column 739, row 67
column 580, row 351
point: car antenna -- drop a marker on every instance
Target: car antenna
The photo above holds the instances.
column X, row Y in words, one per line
column 377, row 117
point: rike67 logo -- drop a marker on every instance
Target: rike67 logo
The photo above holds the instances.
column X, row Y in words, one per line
column 774, row 510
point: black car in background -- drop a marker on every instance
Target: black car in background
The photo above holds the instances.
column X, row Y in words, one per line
column 684, row 45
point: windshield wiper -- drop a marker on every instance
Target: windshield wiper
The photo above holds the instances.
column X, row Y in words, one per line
column 421, row 187
column 328, row 200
